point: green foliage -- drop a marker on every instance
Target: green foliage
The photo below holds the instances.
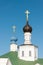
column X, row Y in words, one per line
column 16, row 61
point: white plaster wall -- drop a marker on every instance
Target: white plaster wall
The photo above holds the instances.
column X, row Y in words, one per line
column 26, row 50
column 13, row 47
column 9, row 62
column 37, row 64
column 27, row 38
column 36, row 53
column 5, row 61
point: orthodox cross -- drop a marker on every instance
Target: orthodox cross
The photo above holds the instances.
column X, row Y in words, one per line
column 27, row 12
column 14, row 28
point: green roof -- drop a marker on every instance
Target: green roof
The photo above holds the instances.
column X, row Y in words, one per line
column 16, row 61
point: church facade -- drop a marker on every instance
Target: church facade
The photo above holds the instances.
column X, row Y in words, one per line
column 27, row 51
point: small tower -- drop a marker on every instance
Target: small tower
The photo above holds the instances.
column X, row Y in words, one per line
column 13, row 44
column 27, row 51
column 27, row 29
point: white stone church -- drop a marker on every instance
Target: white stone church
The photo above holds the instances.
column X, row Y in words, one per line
column 27, row 51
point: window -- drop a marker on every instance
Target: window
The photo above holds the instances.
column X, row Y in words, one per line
column 22, row 53
column 29, row 53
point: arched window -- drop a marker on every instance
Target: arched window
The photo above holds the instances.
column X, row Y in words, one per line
column 22, row 53
column 29, row 53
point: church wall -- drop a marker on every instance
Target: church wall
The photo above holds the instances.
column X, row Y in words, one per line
column 26, row 50
column 36, row 53
column 5, row 61
column 13, row 47
column 8, row 62
column 27, row 38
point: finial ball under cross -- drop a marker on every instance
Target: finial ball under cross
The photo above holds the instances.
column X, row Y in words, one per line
column 27, row 12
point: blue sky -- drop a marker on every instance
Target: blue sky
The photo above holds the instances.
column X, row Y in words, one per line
column 12, row 12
